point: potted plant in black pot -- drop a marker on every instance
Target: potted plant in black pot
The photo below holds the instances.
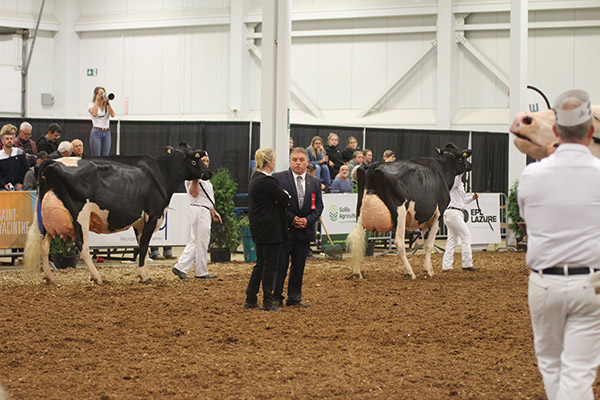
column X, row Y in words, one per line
column 64, row 252
column 225, row 237
column 517, row 222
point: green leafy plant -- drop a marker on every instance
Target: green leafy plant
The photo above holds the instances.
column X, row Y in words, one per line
column 513, row 212
column 225, row 235
column 63, row 247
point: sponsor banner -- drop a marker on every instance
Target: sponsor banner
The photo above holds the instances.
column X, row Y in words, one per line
column 16, row 214
column 339, row 213
column 174, row 231
column 484, row 222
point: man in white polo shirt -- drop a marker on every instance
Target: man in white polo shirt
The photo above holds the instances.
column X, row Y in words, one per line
column 559, row 198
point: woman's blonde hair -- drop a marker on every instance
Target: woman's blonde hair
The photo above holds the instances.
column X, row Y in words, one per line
column 331, row 134
column 8, row 129
column 312, row 149
column 96, row 89
column 263, row 156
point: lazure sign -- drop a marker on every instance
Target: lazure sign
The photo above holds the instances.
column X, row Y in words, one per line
column 339, row 212
column 484, row 219
column 16, row 213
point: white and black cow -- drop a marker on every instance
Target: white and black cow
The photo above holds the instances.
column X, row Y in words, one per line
column 405, row 195
column 106, row 195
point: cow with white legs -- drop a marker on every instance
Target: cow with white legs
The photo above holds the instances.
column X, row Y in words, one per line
column 535, row 137
column 107, row 195
column 405, row 195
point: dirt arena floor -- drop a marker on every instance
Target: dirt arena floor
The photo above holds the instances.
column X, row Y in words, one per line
column 458, row 335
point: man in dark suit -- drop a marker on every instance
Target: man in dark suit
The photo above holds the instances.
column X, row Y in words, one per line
column 304, row 210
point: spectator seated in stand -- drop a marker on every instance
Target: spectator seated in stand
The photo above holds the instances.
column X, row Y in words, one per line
column 49, row 142
column 357, row 159
column 389, row 156
column 312, row 169
column 64, row 150
column 24, row 142
column 348, row 152
column 13, row 162
column 318, row 157
column 30, row 180
column 342, row 184
column 77, row 148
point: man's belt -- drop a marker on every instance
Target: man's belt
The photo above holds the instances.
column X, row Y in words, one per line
column 102, row 129
column 455, row 208
column 200, row 205
column 566, row 271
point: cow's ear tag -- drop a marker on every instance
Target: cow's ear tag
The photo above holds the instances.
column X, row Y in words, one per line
column 169, row 150
column 197, row 155
column 439, row 151
column 467, row 153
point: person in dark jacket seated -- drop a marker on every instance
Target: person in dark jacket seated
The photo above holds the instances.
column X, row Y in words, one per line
column 13, row 162
column 30, row 180
column 348, row 152
column 334, row 155
column 49, row 142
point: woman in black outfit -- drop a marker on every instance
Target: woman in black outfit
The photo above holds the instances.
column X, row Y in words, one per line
column 335, row 156
column 268, row 225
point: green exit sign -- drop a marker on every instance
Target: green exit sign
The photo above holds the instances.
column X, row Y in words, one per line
column 92, row 71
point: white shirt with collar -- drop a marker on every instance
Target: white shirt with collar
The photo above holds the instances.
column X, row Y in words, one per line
column 458, row 196
column 559, row 199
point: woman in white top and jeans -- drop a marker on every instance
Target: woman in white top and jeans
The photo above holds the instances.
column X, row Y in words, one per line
column 101, row 111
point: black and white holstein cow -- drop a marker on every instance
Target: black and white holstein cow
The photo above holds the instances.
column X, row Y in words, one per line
column 107, row 195
column 405, row 195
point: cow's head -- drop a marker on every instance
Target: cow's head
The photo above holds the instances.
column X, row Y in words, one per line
column 534, row 135
column 194, row 167
column 455, row 158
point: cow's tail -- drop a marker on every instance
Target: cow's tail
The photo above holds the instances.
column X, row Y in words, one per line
column 32, row 256
column 357, row 245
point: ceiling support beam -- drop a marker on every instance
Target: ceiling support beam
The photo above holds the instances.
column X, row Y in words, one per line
column 397, row 80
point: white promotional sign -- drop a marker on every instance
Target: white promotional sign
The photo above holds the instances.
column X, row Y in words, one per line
column 175, row 230
column 484, row 221
column 339, row 212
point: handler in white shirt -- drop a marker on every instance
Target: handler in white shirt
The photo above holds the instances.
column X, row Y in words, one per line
column 457, row 228
column 202, row 209
column 559, row 198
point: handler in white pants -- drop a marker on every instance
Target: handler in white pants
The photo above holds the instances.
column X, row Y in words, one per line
column 201, row 213
column 457, row 228
column 560, row 202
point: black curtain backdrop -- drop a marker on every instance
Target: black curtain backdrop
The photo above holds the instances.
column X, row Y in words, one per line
column 490, row 162
column 409, row 143
column 229, row 143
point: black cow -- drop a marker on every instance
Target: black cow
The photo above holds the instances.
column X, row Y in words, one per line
column 405, row 195
column 106, row 195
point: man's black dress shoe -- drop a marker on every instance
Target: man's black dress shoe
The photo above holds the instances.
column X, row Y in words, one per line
column 471, row 269
column 180, row 274
column 248, row 306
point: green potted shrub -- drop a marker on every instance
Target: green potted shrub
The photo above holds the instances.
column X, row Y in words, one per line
column 64, row 252
column 225, row 237
column 513, row 213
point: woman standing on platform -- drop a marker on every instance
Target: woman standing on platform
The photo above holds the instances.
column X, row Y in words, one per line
column 268, row 225
column 101, row 112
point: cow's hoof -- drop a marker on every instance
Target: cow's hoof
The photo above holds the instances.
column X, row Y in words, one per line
column 147, row 281
column 49, row 281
